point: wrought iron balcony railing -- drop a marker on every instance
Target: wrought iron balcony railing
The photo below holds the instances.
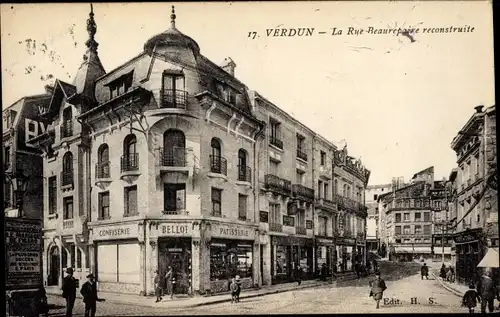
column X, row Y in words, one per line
column 280, row 185
column 244, row 173
column 302, row 192
column 67, row 178
column 301, row 154
column 218, row 164
column 276, row 227
column 276, row 141
column 171, row 98
column 66, row 129
column 301, row 230
column 130, row 162
column 102, row 170
column 174, row 157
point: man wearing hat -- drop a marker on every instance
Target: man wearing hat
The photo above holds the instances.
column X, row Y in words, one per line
column 69, row 291
column 89, row 293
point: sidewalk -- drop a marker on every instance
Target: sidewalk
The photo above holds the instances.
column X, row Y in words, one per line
column 455, row 288
column 189, row 302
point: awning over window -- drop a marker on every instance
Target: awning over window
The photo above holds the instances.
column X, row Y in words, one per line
column 490, row 259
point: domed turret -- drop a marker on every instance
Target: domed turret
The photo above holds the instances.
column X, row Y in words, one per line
column 171, row 37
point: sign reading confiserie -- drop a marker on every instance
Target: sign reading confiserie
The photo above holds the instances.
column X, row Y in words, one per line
column 115, row 232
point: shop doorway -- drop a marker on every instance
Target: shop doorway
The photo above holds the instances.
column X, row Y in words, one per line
column 177, row 254
column 54, row 269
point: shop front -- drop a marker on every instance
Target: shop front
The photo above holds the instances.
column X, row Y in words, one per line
column 345, row 253
column 325, row 249
column 117, row 257
column 289, row 252
column 233, row 252
column 469, row 252
column 360, row 252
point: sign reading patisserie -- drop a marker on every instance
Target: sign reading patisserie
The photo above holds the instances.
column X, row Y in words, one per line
column 232, row 231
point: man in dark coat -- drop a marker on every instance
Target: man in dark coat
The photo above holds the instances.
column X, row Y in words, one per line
column 424, row 271
column 377, row 288
column 487, row 291
column 69, row 291
column 158, row 283
column 89, row 293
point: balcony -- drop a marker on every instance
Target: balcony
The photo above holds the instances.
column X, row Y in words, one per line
column 301, row 154
column 244, row 174
column 345, row 203
column 68, row 224
column 67, row 178
column 301, row 230
column 218, row 165
column 325, row 172
column 173, row 99
column 302, row 192
column 102, row 174
column 325, row 204
column 278, row 185
column 276, row 141
column 276, row 227
column 66, row 129
column 129, row 167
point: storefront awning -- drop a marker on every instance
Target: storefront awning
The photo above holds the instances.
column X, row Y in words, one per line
column 490, row 259
column 409, row 249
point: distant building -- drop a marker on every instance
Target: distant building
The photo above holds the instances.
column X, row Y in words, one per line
column 372, row 193
column 476, row 198
column 21, row 122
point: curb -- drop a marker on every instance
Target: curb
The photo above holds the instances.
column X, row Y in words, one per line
column 450, row 289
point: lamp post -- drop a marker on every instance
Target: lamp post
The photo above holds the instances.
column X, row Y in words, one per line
column 20, row 183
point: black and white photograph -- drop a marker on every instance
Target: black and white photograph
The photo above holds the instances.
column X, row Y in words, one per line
column 242, row 158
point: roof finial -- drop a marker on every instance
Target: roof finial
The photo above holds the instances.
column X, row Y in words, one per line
column 91, row 29
column 172, row 17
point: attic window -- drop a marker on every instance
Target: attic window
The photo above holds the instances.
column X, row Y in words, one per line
column 121, row 85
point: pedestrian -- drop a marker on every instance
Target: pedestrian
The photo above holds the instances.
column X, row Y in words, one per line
column 487, row 291
column 233, row 287
column 157, row 282
column 424, row 272
column 469, row 299
column 299, row 275
column 377, row 288
column 323, row 272
column 443, row 272
column 90, row 298
column 238, row 290
column 69, row 286
column 357, row 269
column 451, row 273
column 169, row 276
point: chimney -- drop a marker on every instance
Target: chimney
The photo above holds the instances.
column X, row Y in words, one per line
column 479, row 108
column 49, row 89
column 228, row 65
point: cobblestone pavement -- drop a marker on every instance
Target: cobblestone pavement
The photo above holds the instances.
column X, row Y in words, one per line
column 350, row 297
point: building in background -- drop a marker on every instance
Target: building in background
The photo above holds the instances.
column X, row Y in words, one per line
column 23, row 163
column 443, row 218
column 372, row 193
column 476, row 186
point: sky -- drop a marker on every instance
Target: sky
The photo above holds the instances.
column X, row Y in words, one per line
column 398, row 101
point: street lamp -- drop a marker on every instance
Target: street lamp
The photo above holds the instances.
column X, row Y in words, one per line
column 20, row 182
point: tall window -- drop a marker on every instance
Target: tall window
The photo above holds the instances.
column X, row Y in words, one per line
column 427, row 229
column 336, row 183
column 174, row 196
column 300, row 177
column 103, row 162
column 67, row 173
column 406, row 217
column 418, row 216
column 320, row 189
column 275, row 133
column 418, row 229
column 216, row 202
column 323, row 158
column 407, row 230
column 335, row 223
column 6, row 158
column 173, row 92
column 104, row 206
column 326, row 189
column 67, row 123
column 427, row 216
column 301, row 219
column 52, row 195
column 274, row 213
column 243, row 169
column 130, row 160
column 322, row 223
column 174, row 148
column 130, row 197
column 242, row 207
column 397, row 229
column 301, row 147
column 273, row 167
column 68, row 208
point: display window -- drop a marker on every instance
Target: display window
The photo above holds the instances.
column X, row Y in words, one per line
column 230, row 258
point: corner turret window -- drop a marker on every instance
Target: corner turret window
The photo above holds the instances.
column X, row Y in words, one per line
column 173, row 92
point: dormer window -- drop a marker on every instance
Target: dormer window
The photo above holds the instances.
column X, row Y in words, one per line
column 173, row 93
column 121, row 85
column 230, row 95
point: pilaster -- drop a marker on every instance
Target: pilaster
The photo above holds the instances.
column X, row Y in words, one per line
column 195, row 265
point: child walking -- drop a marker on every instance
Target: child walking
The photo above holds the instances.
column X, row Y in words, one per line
column 234, row 291
column 469, row 299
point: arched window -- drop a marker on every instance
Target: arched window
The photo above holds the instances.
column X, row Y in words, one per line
column 67, row 124
column 174, row 148
column 216, row 148
column 244, row 171
column 218, row 164
column 103, row 161
column 68, row 162
column 130, row 159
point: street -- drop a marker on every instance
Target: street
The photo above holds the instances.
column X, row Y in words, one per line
column 350, row 297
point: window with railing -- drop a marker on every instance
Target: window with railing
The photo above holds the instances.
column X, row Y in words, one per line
column 275, row 183
column 173, row 152
column 216, row 202
column 218, row 164
column 275, row 217
column 275, row 133
column 104, row 206
column 68, row 208
column 244, row 171
column 130, row 197
column 301, row 147
column 52, row 184
column 130, row 158
column 242, row 207
column 102, row 167
column 173, row 93
column 174, row 197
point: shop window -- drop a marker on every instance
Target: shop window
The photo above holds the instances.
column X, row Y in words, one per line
column 118, row 263
column 216, row 202
column 68, row 208
column 280, row 260
column 52, row 195
column 130, row 194
column 104, row 206
column 174, row 196
column 231, row 258
column 406, row 217
column 107, row 263
column 418, row 216
column 242, row 207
